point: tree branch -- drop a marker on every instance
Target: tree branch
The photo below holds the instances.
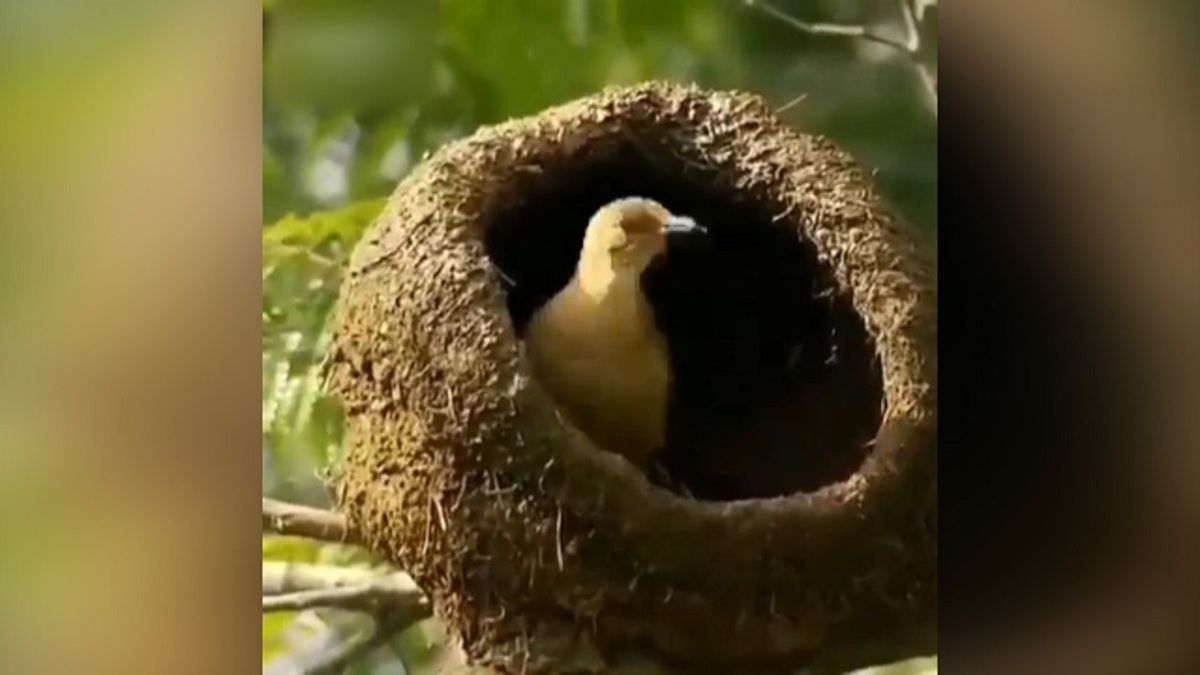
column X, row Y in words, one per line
column 909, row 46
column 305, row 521
column 298, row 579
column 392, row 598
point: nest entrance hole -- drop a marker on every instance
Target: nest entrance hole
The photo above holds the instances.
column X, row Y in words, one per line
column 776, row 385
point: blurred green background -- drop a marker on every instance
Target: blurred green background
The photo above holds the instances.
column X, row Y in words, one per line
column 355, row 93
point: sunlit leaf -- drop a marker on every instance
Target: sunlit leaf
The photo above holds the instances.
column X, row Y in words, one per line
column 290, row 549
column 275, row 626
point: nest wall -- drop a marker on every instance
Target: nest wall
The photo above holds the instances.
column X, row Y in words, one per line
column 530, row 540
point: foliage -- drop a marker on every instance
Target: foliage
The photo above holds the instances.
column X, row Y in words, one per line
column 303, row 257
column 356, row 92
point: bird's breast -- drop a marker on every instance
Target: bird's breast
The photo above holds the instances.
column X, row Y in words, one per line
column 618, row 399
column 607, row 370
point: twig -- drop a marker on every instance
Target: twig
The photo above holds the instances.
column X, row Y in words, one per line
column 305, row 521
column 912, row 28
column 348, row 597
column 929, row 81
column 792, row 103
column 834, row 29
column 283, row 578
column 910, row 46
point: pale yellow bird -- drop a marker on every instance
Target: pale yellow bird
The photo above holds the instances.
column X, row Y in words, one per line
column 595, row 346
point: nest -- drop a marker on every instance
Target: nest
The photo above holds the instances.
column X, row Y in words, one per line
column 800, row 529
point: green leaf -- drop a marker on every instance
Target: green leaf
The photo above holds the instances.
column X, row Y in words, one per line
column 344, row 225
column 274, row 638
column 290, row 549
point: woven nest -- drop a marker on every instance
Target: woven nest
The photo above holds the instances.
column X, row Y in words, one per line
column 801, row 530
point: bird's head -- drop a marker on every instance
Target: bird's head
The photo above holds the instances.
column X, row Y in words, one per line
column 627, row 235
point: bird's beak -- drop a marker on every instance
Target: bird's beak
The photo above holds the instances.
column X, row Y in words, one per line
column 682, row 225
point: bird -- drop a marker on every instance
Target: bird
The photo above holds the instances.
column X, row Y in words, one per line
column 595, row 346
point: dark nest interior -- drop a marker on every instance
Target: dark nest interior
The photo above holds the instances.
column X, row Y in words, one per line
column 776, row 385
